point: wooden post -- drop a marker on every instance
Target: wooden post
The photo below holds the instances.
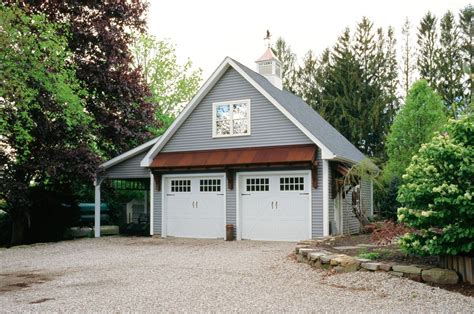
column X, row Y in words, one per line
column 97, row 184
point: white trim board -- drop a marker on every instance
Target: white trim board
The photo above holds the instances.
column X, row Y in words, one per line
column 208, row 85
column 129, row 154
column 152, row 202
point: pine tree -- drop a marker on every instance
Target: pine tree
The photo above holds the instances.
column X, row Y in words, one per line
column 288, row 61
column 466, row 23
column 307, row 75
column 407, row 66
column 427, row 39
column 449, row 65
column 341, row 101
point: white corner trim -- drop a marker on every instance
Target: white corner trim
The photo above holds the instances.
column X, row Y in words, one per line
column 128, row 154
column 152, row 202
column 325, row 198
column 237, row 206
column 325, row 152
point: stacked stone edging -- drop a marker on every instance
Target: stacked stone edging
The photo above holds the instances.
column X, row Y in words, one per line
column 341, row 263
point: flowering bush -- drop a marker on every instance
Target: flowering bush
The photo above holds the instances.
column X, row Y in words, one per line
column 437, row 193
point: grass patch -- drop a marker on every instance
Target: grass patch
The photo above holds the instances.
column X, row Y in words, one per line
column 375, row 254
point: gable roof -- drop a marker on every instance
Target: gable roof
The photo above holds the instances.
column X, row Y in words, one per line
column 310, row 119
column 332, row 144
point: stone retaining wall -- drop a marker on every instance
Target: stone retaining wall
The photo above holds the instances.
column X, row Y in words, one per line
column 340, row 263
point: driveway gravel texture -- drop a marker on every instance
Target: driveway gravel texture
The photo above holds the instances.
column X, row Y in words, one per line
column 131, row 274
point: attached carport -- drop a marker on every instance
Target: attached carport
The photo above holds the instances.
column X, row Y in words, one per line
column 123, row 170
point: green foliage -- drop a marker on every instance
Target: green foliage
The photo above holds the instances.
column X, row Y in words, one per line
column 358, row 87
column 288, row 61
column 427, row 40
column 369, row 255
column 408, row 58
column 46, row 131
column 445, row 58
column 449, row 64
column 437, row 193
column 34, row 67
column 172, row 85
column 421, row 116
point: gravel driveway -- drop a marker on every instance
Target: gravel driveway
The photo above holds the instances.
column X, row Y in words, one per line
column 150, row 274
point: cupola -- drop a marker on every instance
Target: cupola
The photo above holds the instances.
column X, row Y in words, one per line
column 269, row 66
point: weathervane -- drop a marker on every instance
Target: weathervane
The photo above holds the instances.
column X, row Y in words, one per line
column 268, row 38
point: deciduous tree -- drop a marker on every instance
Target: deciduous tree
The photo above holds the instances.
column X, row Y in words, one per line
column 46, row 132
column 171, row 84
column 101, row 36
column 422, row 114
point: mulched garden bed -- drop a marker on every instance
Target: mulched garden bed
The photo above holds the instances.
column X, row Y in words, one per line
column 386, row 253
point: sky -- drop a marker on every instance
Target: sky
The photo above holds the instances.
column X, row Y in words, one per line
column 207, row 31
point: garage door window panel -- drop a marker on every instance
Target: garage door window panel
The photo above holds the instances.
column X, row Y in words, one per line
column 292, row 184
column 180, row 186
column 257, row 185
column 210, row 185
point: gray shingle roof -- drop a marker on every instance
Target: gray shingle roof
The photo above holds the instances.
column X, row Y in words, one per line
column 309, row 118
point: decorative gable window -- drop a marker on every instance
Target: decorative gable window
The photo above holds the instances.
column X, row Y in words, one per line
column 231, row 118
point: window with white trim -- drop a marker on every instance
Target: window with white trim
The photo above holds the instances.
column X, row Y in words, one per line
column 231, row 118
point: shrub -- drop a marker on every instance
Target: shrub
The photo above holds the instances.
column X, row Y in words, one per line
column 437, row 193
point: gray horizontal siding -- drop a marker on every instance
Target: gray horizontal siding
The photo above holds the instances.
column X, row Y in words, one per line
column 351, row 223
column 157, row 200
column 128, row 169
column 317, row 202
column 231, row 205
column 269, row 127
column 366, row 196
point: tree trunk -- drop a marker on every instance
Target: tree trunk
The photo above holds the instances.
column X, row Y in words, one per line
column 19, row 224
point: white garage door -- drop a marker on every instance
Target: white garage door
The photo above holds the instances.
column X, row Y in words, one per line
column 275, row 206
column 195, row 206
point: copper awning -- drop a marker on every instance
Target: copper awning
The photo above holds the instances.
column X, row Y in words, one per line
column 222, row 158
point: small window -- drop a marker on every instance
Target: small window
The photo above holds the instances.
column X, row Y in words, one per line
column 257, row 184
column 210, row 185
column 292, row 184
column 231, row 118
column 180, row 185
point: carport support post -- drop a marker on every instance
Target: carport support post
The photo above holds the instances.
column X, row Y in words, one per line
column 97, row 183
